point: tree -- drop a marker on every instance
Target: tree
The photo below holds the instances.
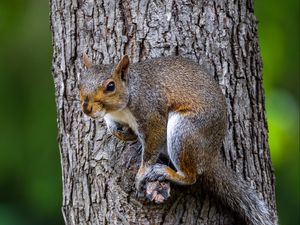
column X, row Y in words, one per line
column 98, row 170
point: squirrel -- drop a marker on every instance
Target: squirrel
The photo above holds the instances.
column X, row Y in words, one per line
column 172, row 102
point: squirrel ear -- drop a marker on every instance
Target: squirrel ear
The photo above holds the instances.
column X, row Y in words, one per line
column 122, row 67
column 86, row 60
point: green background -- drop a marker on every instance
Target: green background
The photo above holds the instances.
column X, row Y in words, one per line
column 30, row 178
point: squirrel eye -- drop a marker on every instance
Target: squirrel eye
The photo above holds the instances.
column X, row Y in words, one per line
column 110, row 87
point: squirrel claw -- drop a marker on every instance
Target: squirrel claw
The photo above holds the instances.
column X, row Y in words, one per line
column 152, row 186
column 140, row 185
column 158, row 192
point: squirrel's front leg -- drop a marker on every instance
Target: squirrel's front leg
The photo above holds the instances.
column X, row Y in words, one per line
column 152, row 136
column 121, row 131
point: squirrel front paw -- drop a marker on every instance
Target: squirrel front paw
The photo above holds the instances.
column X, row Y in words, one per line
column 122, row 132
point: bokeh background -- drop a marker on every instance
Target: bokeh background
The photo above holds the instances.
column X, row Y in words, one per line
column 30, row 178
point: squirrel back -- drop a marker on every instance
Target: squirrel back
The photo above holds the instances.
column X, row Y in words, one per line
column 172, row 79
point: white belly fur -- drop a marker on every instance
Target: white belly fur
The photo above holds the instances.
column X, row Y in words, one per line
column 123, row 116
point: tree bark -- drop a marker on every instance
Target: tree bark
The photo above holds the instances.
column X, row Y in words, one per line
column 98, row 170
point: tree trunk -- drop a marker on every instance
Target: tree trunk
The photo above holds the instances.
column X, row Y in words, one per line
column 98, row 170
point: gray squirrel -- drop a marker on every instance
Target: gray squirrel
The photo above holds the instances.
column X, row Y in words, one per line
column 172, row 102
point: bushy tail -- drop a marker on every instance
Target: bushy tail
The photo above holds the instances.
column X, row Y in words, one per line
column 234, row 192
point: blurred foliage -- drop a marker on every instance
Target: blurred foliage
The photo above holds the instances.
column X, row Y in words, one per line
column 278, row 30
column 30, row 178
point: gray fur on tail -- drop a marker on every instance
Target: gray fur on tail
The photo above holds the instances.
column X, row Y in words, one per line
column 234, row 192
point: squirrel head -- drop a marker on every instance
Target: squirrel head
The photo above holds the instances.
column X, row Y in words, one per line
column 103, row 88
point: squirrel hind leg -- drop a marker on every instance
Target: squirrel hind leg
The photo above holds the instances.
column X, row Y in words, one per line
column 180, row 151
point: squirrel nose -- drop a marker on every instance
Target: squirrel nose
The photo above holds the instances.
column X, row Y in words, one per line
column 87, row 109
